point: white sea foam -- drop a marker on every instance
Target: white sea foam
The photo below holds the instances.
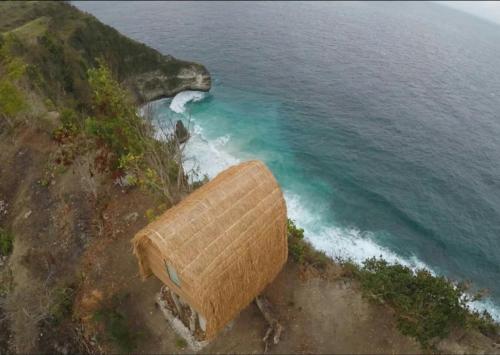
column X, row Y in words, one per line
column 487, row 305
column 210, row 157
column 180, row 100
column 339, row 242
column 207, row 157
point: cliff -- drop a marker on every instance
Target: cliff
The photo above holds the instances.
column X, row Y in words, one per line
column 60, row 43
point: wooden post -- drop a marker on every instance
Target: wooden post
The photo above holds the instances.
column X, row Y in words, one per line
column 192, row 320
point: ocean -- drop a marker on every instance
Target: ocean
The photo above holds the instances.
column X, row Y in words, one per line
column 381, row 121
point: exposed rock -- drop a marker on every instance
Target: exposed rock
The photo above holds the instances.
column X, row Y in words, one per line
column 3, row 207
column 157, row 84
column 132, row 217
column 181, row 132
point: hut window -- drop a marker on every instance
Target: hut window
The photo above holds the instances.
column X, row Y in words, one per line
column 172, row 273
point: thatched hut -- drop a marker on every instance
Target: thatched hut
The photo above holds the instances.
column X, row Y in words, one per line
column 221, row 246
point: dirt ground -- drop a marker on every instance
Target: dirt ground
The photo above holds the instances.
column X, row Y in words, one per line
column 64, row 238
column 51, row 225
column 321, row 312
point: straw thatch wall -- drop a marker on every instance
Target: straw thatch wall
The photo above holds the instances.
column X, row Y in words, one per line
column 226, row 241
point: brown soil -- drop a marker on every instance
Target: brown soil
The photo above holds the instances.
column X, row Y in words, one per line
column 51, row 225
column 68, row 238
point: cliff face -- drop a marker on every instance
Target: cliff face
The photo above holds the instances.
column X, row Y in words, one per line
column 155, row 84
column 149, row 74
column 60, row 43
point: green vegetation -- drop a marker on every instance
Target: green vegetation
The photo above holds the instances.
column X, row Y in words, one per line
column 32, row 29
column 70, row 127
column 296, row 244
column 116, row 326
column 427, row 307
column 62, row 305
column 302, row 251
column 141, row 158
column 180, row 343
column 114, row 121
column 73, row 64
column 153, row 213
column 59, row 44
column 150, row 215
column 6, row 242
column 12, row 101
column 6, row 281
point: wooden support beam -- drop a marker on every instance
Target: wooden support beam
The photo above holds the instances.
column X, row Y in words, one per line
column 275, row 328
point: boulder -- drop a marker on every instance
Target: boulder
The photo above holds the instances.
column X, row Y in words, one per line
column 181, row 132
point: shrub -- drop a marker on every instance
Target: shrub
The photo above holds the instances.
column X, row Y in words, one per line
column 69, row 129
column 349, row 268
column 69, row 118
column 115, row 120
column 303, row 252
column 150, row 163
column 11, row 99
column 296, row 244
column 484, row 322
column 427, row 307
column 62, row 305
column 6, row 242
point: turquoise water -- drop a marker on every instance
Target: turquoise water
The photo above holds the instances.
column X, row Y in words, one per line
column 380, row 121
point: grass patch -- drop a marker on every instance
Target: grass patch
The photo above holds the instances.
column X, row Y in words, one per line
column 6, row 281
column 427, row 307
column 6, row 242
column 180, row 343
column 31, row 30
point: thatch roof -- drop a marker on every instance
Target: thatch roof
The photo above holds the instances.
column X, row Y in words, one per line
column 225, row 242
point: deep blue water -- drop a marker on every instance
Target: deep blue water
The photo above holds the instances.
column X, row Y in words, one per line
column 380, row 120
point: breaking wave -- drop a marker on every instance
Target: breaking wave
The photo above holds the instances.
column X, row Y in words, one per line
column 180, row 100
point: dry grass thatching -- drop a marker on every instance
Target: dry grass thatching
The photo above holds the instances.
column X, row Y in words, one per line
column 226, row 242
